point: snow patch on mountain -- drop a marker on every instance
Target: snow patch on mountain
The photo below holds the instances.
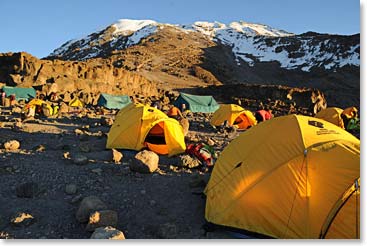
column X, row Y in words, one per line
column 126, row 27
column 249, row 29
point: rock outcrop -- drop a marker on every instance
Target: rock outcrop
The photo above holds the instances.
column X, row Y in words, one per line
column 92, row 77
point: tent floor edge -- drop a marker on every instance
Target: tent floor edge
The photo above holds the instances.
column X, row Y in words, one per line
column 211, row 227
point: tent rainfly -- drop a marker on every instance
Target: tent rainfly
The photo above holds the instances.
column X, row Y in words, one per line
column 332, row 115
column 292, row 177
column 20, row 93
column 113, row 101
column 195, row 103
column 234, row 115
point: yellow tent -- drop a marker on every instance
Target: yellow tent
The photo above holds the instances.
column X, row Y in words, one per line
column 34, row 103
column 137, row 126
column 76, row 103
column 290, row 177
column 234, row 115
column 333, row 115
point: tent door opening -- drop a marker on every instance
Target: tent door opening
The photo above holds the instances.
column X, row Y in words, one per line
column 241, row 121
column 155, row 139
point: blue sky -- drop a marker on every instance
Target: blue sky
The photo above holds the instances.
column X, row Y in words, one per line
column 40, row 26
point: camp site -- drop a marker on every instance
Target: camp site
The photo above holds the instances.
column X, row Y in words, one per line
column 225, row 173
column 181, row 122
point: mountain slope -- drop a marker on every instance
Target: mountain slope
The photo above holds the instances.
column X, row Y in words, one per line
column 203, row 53
column 250, row 43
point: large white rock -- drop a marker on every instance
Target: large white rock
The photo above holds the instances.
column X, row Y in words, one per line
column 145, row 162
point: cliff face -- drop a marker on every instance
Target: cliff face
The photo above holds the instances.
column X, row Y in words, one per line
column 24, row 70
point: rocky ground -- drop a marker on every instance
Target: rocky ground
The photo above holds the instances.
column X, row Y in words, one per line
column 56, row 171
column 55, row 163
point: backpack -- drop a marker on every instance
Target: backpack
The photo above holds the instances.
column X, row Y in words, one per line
column 202, row 152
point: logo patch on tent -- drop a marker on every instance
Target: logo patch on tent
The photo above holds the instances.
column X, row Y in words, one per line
column 316, row 123
column 326, row 131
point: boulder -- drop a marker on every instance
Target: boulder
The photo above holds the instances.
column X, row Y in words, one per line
column 87, row 206
column 12, row 145
column 107, row 233
column 145, row 162
column 102, row 218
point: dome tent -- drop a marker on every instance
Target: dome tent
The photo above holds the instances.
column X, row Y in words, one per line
column 195, row 103
column 332, row 115
column 234, row 115
column 137, row 126
column 291, row 177
column 113, row 101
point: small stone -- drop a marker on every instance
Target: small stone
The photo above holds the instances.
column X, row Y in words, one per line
column 87, row 206
column 80, row 159
column 211, row 142
column 70, row 189
column 40, row 148
column 97, row 171
column 16, row 110
column 78, row 132
column 66, row 155
column 12, row 145
column 102, row 218
column 117, row 156
column 18, row 125
column 152, row 202
column 189, row 162
column 22, row 219
column 143, row 192
column 107, row 233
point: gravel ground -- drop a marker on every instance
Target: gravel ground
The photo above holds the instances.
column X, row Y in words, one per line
column 163, row 204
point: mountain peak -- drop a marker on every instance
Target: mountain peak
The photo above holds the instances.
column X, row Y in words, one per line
column 128, row 26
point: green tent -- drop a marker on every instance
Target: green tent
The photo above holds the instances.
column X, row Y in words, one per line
column 113, row 101
column 194, row 103
column 20, row 93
